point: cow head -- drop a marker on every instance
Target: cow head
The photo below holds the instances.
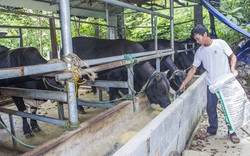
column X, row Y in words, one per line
column 50, row 83
column 176, row 78
column 47, row 82
column 157, row 90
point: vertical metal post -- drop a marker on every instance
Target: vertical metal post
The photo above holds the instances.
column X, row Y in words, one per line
column 130, row 79
column 193, row 46
column 152, row 23
column 20, row 37
column 158, row 68
column 131, row 84
column 99, row 95
column 172, row 25
column 60, row 110
column 12, row 129
column 123, row 24
column 152, row 26
column 96, row 26
column 67, row 49
column 113, row 30
column 107, row 20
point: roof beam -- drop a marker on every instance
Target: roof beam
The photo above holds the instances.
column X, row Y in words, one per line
column 126, row 5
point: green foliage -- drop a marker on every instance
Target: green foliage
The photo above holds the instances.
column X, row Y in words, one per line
column 138, row 25
column 239, row 13
column 31, row 37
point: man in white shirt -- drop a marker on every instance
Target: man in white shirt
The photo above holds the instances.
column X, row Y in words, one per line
column 215, row 55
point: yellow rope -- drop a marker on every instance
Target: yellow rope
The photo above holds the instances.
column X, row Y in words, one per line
column 77, row 64
column 76, row 78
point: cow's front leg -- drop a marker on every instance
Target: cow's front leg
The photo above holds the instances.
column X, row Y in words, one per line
column 21, row 107
column 33, row 123
column 26, row 129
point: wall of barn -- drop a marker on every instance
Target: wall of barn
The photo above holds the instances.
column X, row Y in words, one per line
column 172, row 128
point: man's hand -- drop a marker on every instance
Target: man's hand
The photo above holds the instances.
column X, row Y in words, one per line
column 234, row 71
column 182, row 87
column 190, row 75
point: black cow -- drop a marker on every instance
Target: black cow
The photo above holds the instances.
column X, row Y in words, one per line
column 157, row 89
column 175, row 76
column 3, row 48
column 25, row 57
column 183, row 60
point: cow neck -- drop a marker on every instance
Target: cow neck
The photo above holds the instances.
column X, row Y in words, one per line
column 148, row 73
column 146, row 84
column 146, row 70
column 173, row 74
column 170, row 65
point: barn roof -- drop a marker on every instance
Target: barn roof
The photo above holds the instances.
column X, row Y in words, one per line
column 81, row 8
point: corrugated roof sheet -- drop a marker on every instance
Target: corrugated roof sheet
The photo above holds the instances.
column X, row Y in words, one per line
column 82, row 8
column 78, row 7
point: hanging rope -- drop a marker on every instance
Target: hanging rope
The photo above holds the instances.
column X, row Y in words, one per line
column 132, row 59
column 77, row 65
column 70, row 126
column 146, row 84
column 174, row 74
column 46, row 82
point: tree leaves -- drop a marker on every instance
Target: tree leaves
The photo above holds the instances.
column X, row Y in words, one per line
column 137, row 25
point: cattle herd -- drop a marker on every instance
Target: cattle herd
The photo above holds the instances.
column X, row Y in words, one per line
column 156, row 84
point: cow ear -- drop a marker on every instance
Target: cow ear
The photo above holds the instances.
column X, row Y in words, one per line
column 166, row 72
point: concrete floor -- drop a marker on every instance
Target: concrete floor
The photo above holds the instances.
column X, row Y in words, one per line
column 220, row 144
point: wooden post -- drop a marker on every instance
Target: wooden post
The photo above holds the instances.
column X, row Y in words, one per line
column 53, row 38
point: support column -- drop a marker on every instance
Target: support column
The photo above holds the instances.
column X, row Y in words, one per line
column 67, row 49
column 113, row 30
column 198, row 19
column 172, row 26
column 158, row 61
column 123, row 24
column 21, row 37
column 96, row 30
column 107, row 20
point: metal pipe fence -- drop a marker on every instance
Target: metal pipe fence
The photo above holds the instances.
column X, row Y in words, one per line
column 100, row 64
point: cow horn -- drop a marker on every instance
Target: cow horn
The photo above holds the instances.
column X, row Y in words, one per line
column 166, row 72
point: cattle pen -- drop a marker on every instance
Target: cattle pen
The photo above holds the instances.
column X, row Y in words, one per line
column 169, row 131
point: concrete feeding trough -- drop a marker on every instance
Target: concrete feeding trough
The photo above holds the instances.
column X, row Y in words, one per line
column 166, row 131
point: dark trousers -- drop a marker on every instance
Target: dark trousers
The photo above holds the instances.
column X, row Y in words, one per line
column 212, row 101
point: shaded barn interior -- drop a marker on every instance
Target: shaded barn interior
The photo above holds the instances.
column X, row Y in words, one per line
column 78, row 8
